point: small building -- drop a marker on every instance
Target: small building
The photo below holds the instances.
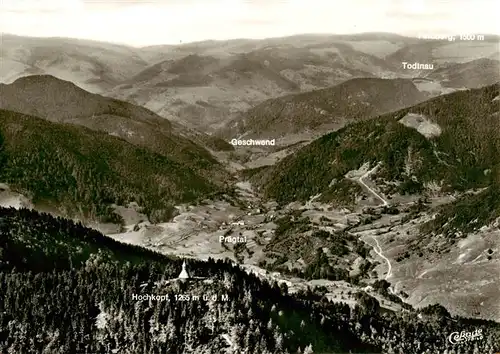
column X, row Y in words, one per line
column 184, row 273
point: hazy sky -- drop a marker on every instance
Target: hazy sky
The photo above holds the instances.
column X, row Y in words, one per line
column 143, row 22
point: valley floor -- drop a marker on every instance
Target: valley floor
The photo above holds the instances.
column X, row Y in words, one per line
column 463, row 280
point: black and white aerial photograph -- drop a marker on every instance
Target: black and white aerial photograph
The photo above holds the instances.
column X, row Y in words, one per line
column 249, row 176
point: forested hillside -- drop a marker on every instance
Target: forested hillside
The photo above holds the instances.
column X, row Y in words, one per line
column 465, row 154
column 61, row 101
column 80, row 172
column 353, row 100
column 69, row 289
column 467, row 214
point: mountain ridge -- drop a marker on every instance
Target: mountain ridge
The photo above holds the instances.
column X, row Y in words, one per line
column 208, row 100
column 62, row 101
column 353, row 100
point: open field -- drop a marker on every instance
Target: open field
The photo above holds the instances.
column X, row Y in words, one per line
column 463, row 279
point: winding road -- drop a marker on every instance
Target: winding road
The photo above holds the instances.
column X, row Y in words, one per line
column 370, row 189
column 376, row 247
column 378, row 251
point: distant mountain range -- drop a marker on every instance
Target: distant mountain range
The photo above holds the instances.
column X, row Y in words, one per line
column 439, row 52
column 91, row 65
column 473, row 74
column 206, row 84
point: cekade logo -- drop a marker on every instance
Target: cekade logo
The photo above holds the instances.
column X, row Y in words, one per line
column 463, row 336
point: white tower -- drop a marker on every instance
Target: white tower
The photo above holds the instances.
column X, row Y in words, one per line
column 184, row 274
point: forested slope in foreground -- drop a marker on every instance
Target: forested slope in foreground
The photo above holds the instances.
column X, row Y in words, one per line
column 79, row 172
column 68, row 289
